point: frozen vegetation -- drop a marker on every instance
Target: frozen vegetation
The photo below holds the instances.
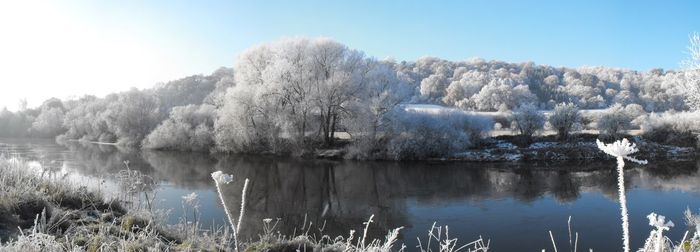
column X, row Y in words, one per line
column 319, row 98
column 302, row 96
column 45, row 213
column 40, row 213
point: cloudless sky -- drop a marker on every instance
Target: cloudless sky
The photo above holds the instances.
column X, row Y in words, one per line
column 71, row 48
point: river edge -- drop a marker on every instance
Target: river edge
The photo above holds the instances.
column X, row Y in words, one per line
column 510, row 149
column 496, row 150
column 39, row 214
column 515, row 165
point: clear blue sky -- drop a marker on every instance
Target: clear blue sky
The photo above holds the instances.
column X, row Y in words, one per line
column 138, row 43
column 630, row 34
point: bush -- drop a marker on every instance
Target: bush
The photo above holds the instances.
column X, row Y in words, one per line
column 435, row 134
column 613, row 121
column 563, row 119
column 672, row 128
column 188, row 128
column 528, row 120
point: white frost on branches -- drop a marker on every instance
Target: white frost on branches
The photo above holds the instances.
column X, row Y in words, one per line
column 692, row 72
column 656, row 241
column 622, row 150
column 221, row 178
column 659, row 222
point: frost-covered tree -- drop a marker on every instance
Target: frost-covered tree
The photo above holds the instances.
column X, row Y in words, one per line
column 225, row 77
column 433, row 88
column 242, row 126
column 564, row 117
column 128, row 117
column 613, row 121
column 522, row 95
column 587, row 87
column 86, row 119
column 381, row 96
column 15, row 124
column 49, row 123
column 244, row 122
column 528, row 119
column 421, row 135
column 463, row 87
column 339, row 73
column 288, row 91
column 132, row 115
column 189, row 128
column 189, row 90
column 692, row 72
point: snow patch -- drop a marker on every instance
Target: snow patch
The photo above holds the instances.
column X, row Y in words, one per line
column 542, row 145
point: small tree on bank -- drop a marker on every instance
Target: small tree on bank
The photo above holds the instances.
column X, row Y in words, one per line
column 528, row 119
column 613, row 121
column 563, row 119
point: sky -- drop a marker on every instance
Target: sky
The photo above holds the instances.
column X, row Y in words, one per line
column 67, row 49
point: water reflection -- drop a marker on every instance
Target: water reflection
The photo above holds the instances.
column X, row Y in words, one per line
column 343, row 194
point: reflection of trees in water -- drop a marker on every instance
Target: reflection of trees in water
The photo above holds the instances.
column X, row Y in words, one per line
column 665, row 171
column 346, row 193
column 32, row 149
column 682, row 176
column 340, row 194
column 102, row 160
column 565, row 188
column 184, row 169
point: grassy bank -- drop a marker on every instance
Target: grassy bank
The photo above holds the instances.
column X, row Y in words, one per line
column 39, row 213
column 49, row 214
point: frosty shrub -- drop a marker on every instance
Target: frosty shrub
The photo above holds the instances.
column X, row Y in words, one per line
column 672, row 128
column 613, row 121
column 528, row 119
column 563, row 119
column 437, row 134
column 188, row 128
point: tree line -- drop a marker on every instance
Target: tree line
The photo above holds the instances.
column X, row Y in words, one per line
column 294, row 95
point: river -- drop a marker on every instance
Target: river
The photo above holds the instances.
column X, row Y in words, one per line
column 512, row 204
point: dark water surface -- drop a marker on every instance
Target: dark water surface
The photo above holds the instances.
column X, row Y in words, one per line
column 513, row 205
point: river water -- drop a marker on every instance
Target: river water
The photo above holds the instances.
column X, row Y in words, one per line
column 512, row 204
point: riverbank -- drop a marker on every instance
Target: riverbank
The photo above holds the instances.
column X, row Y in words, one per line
column 546, row 149
column 38, row 213
column 582, row 147
column 46, row 214
column 500, row 150
column 68, row 217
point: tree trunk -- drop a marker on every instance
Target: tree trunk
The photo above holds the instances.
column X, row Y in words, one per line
column 332, row 129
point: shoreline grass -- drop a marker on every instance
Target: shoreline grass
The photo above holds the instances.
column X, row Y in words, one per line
column 40, row 213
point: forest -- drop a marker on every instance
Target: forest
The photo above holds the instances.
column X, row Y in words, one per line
column 293, row 96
